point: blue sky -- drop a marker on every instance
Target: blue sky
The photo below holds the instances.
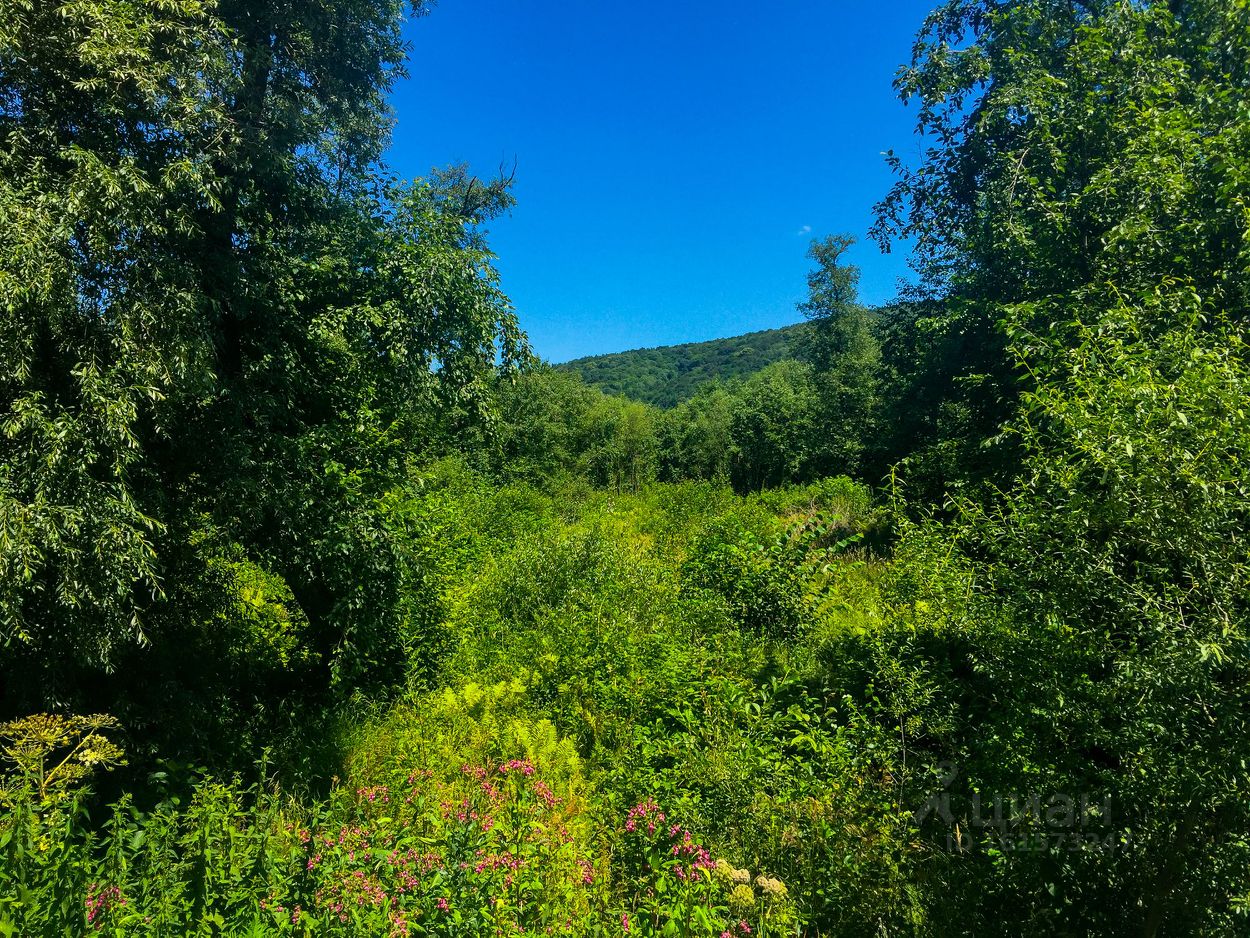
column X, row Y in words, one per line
column 673, row 159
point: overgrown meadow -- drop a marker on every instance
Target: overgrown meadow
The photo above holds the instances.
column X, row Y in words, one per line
column 675, row 712
column 630, row 734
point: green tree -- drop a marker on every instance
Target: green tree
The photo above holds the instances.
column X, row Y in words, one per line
column 845, row 353
column 219, row 313
column 619, row 443
column 539, row 436
column 1078, row 628
column 1081, row 639
column 109, row 135
column 695, row 437
column 773, row 425
column 1085, row 144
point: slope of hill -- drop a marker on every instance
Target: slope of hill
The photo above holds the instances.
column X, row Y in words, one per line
column 669, row 374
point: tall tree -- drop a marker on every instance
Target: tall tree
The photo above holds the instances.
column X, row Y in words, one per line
column 845, row 353
column 542, row 416
column 219, row 313
column 109, row 143
column 1094, row 145
column 1079, row 627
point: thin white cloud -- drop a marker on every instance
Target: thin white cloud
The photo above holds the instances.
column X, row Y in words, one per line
column 806, row 229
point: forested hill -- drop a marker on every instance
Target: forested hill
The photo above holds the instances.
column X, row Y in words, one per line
column 667, row 375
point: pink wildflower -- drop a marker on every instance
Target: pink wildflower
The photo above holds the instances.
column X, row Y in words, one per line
column 100, row 901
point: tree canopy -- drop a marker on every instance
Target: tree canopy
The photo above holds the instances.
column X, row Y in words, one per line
column 220, row 315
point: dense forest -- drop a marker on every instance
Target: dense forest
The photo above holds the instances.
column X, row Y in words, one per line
column 327, row 609
column 669, row 374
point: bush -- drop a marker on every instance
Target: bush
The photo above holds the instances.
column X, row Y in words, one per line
column 480, row 848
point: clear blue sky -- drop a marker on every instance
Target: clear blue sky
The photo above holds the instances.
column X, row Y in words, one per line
column 674, row 159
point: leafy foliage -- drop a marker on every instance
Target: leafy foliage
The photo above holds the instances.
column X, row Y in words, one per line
column 529, row 656
column 201, row 247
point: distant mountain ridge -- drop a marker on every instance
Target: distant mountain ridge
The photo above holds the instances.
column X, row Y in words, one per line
column 668, row 374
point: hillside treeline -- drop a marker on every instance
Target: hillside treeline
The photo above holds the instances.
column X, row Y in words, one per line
column 850, row 396
column 667, row 375
column 325, row 610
